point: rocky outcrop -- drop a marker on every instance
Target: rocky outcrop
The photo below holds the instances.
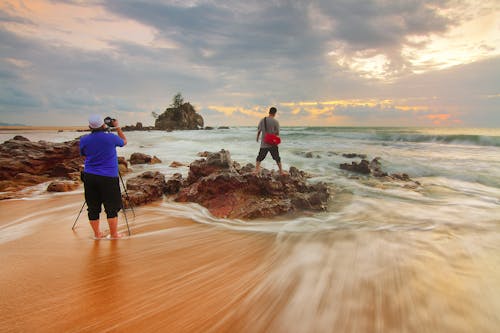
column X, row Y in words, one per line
column 26, row 163
column 183, row 117
column 227, row 190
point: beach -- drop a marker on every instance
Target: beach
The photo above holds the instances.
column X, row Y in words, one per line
column 382, row 258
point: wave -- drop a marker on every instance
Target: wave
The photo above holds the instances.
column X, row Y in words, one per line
column 398, row 135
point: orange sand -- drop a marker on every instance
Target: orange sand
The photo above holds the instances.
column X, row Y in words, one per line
column 174, row 275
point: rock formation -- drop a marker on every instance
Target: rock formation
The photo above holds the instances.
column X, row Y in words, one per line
column 229, row 190
column 26, row 163
column 183, row 117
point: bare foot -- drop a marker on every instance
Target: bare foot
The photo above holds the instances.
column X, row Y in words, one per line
column 117, row 236
column 98, row 235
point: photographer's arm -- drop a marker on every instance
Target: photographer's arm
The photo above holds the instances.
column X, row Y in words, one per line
column 120, row 132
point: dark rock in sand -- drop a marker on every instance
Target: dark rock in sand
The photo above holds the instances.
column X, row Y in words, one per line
column 26, row 163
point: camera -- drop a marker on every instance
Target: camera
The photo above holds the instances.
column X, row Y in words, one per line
column 109, row 121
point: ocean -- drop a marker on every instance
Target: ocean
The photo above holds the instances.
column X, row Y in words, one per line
column 383, row 257
column 459, row 172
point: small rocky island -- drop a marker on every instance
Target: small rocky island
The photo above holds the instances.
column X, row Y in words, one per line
column 179, row 116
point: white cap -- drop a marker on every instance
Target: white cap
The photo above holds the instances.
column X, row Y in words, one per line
column 95, row 121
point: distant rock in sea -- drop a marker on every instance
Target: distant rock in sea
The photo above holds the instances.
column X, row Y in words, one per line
column 183, row 117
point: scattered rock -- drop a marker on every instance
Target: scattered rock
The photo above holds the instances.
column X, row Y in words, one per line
column 62, row 186
column 203, row 153
column 374, row 168
column 137, row 127
column 140, row 158
column 361, row 167
column 173, row 184
column 176, row 164
column 123, row 165
column 354, row 155
column 146, row 187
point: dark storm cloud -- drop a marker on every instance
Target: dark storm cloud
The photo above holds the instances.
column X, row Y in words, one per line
column 383, row 24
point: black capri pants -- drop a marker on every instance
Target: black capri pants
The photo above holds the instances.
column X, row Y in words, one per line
column 274, row 153
column 102, row 190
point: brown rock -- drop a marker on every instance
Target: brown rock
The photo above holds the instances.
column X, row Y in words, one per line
column 122, row 165
column 140, row 158
column 176, row 164
column 146, row 187
column 26, row 163
column 361, row 167
column 62, row 186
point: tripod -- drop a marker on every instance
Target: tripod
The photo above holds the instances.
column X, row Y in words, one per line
column 123, row 208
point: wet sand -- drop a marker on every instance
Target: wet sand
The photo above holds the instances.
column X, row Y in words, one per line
column 174, row 275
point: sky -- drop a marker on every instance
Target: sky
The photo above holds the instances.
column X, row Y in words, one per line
column 320, row 62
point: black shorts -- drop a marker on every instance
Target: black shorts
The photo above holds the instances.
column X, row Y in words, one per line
column 274, row 153
column 102, row 190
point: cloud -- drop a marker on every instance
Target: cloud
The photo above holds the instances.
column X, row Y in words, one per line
column 354, row 62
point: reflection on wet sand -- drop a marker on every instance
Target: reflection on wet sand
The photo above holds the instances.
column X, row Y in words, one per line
column 174, row 275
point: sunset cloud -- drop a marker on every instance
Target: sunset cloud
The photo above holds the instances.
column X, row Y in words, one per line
column 320, row 62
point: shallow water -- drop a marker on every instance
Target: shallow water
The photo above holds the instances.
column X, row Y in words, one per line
column 383, row 258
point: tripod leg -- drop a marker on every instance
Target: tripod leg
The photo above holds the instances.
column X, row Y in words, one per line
column 126, row 195
column 126, row 220
column 81, row 209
